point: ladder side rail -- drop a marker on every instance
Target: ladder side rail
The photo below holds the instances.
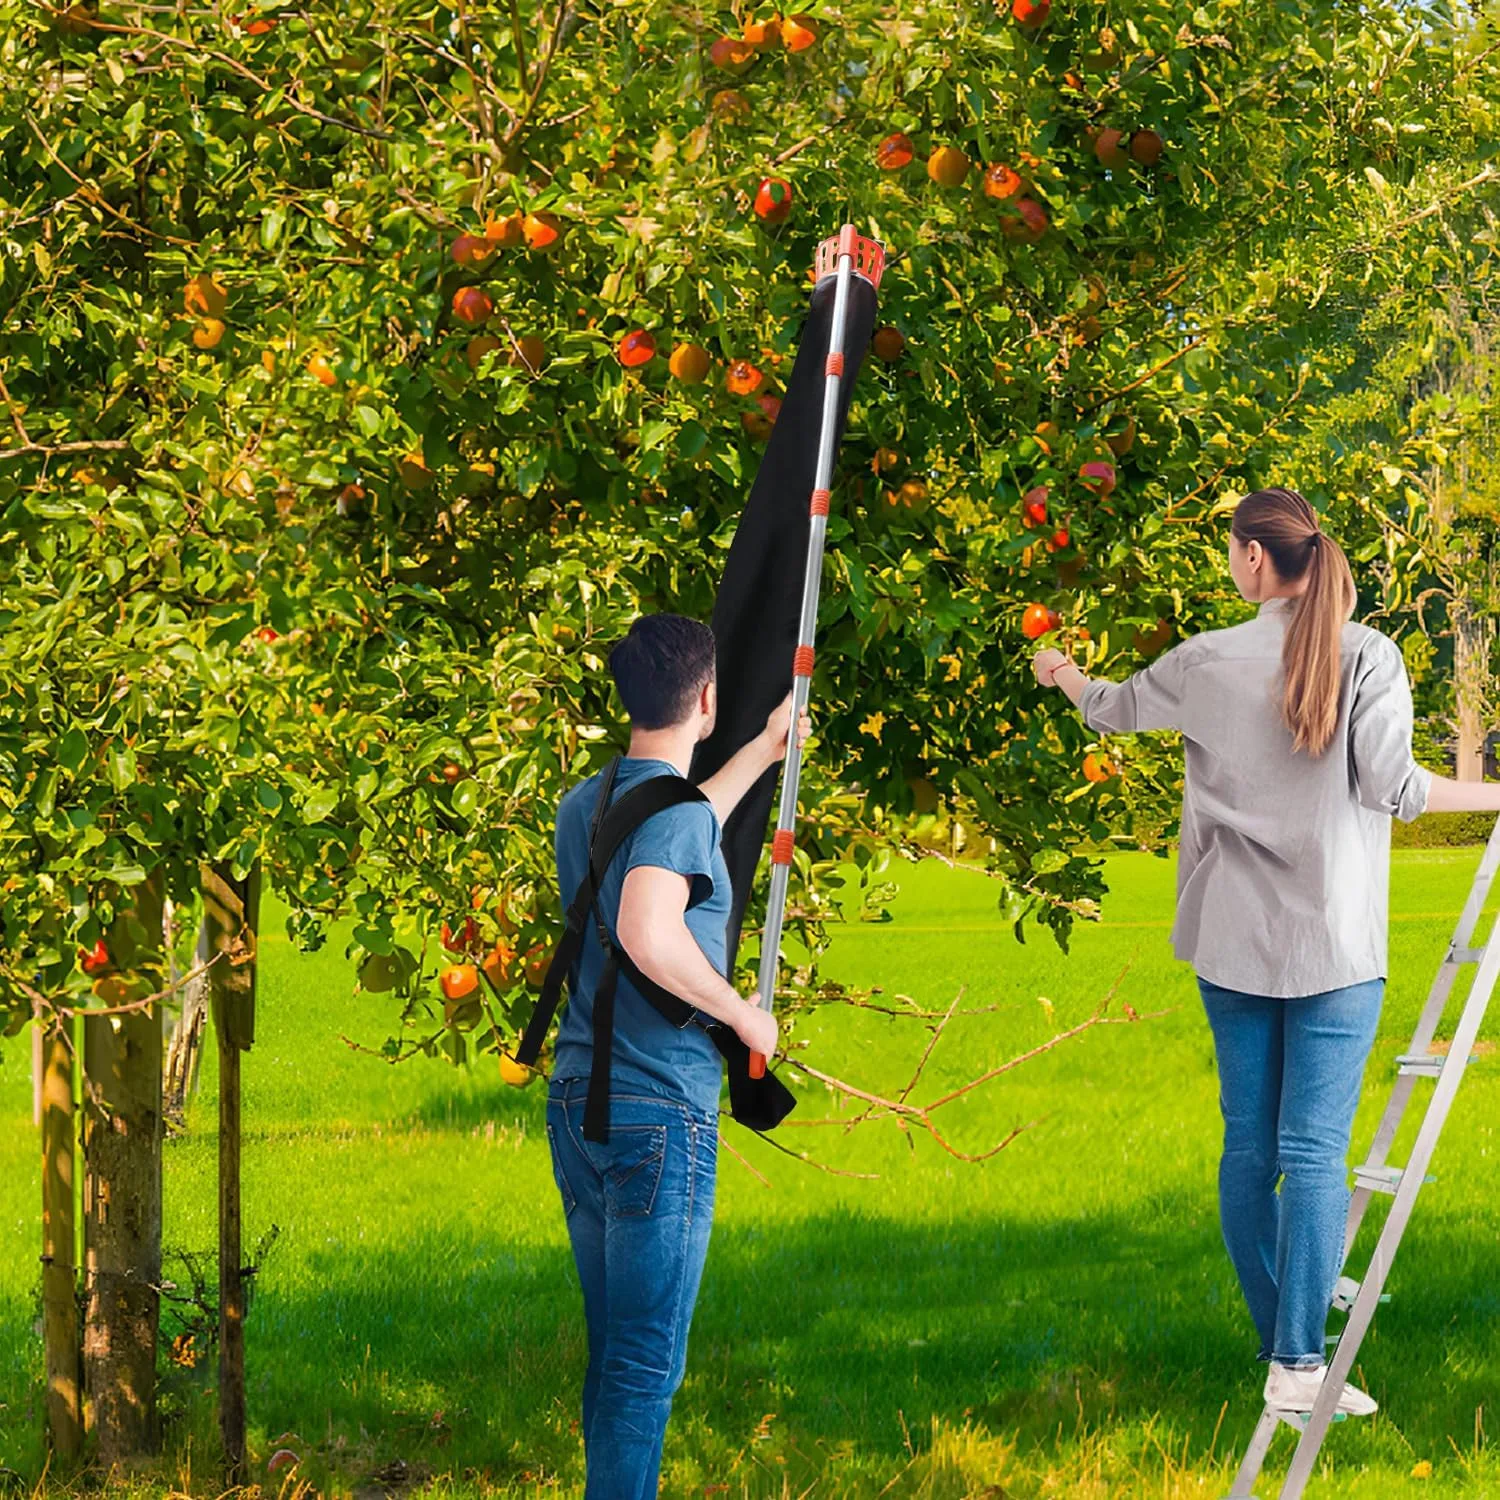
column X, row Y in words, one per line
column 1255, row 1457
column 1412, row 1177
column 1427, row 1025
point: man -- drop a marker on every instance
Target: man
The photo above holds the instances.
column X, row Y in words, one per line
column 640, row 1207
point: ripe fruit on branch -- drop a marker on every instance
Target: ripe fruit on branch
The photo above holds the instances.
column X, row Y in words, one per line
column 773, row 200
column 415, row 474
column 480, row 345
column 1109, row 147
column 466, row 939
column 637, row 348
column 743, row 378
column 1038, row 619
column 948, row 166
column 1098, row 477
column 472, row 250
column 514, row 1073
column 1030, row 13
column 267, row 635
column 542, row 231
column 1002, row 181
column 894, row 152
column 208, row 333
column 1145, row 147
column 497, row 964
column 206, row 295
column 888, row 344
column 1058, row 540
column 453, row 773
column 885, row 460
column 1034, row 506
column 1028, row 221
column 912, row 496
column 732, row 53
column 472, row 305
column 94, row 960
column 506, row 233
column 529, row 353
column 383, row 972
column 1120, row 439
column 1098, row 767
column 757, row 424
column 689, row 363
column 1148, row 643
column 798, row 33
column 762, row 34
column 321, row 371
column 459, row 981
column 538, row 960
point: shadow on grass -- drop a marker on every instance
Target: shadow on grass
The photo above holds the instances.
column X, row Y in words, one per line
column 820, row 1346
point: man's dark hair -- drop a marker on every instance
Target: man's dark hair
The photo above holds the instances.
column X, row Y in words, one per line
column 660, row 668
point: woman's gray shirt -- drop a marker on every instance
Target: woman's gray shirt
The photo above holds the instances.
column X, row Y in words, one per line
column 1283, row 870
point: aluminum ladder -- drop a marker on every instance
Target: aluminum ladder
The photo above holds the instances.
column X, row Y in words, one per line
column 1360, row 1298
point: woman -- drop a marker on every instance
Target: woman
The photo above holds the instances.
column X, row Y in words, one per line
column 1297, row 732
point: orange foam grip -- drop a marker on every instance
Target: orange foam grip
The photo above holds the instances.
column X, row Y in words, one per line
column 820, row 502
column 835, row 364
column 802, row 661
column 781, row 846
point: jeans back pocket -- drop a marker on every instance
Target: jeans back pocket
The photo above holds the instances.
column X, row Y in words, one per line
column 632, row 1165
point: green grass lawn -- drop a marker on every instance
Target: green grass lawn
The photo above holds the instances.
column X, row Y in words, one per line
column 1060, row 1320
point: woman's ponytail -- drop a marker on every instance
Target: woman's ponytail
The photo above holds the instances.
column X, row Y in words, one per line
column 1287, row 527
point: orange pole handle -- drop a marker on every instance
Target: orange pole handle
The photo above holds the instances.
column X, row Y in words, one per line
column 757, row 1065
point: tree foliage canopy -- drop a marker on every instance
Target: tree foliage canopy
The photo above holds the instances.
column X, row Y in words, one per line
column 329, row 481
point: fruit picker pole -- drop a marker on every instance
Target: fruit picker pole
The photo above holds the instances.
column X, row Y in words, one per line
column 840, row 256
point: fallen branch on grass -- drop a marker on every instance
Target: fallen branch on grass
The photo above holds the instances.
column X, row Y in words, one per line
column 908, row 1115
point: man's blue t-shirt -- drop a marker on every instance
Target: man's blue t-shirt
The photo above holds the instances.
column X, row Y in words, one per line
column 650, row 1056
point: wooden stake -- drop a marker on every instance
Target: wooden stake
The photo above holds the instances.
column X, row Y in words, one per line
column 60, row 1333
column 231, row 916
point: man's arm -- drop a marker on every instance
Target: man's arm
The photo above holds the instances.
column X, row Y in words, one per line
column 743, row 769
column 652, row 930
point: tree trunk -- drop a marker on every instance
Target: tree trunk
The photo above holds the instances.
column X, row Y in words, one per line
column 230, row 918
column 1471, row 655
column 122, row 1188
column 63, row 1353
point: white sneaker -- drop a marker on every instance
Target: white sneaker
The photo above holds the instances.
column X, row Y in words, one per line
column 1289, row 1389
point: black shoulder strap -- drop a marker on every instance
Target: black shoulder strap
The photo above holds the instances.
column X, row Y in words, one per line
column 609, row 829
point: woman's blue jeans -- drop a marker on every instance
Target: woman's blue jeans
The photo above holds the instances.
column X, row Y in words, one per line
column 1289, row 1080
column 639, row 1211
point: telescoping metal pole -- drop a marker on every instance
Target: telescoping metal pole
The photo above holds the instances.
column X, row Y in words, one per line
column 840, row 256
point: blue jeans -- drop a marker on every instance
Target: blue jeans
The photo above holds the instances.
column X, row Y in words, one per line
column 1289, row 1081
column 639, row 1212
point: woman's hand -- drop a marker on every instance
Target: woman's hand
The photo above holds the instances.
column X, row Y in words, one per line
column 1046, row 662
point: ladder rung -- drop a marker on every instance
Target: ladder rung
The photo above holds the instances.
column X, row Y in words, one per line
column 1344, row 1293
column 1297, row 1420
column 1419, row 1065
column 1464, row 955
column 1424, row 1064
column 1383, row 1179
